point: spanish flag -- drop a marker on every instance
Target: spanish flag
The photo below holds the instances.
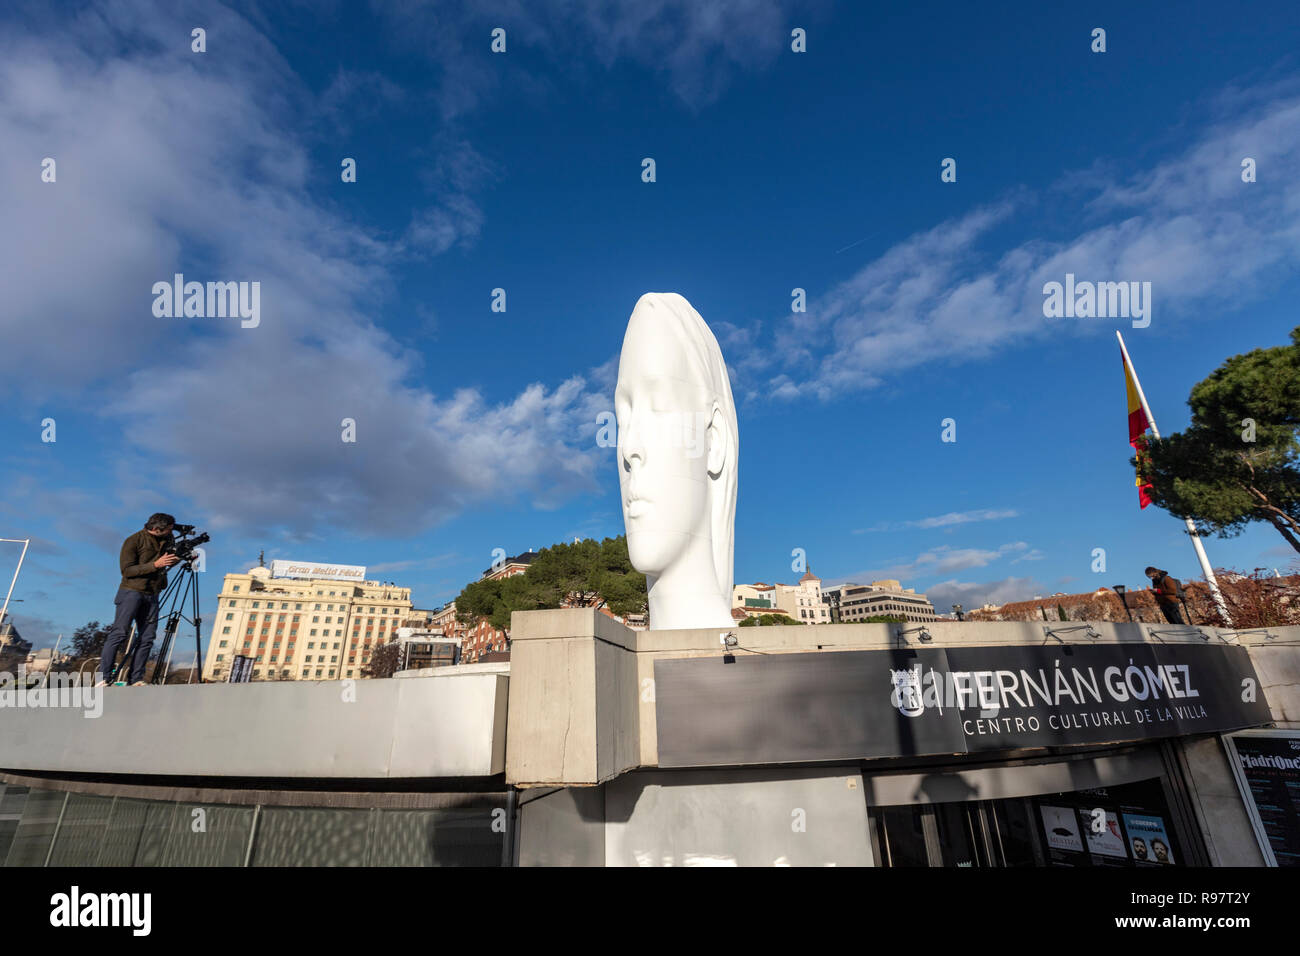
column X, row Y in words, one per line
column 1137, row 426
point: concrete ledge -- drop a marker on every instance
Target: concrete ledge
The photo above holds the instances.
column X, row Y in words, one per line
column 568, row 622
column 572, row 699
column 583, row 707
column 456, row 670
column 320, row 729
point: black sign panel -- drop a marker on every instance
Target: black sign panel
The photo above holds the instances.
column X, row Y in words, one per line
column 786, row 708
column 1271, row 767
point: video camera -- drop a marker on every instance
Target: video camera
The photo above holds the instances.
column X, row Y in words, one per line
column 185, row 544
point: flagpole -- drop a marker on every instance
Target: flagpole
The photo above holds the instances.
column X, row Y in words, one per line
column 1191, row 525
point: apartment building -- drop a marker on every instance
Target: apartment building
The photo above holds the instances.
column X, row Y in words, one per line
column 302, row 628
column 801, row 602
column 850, row 603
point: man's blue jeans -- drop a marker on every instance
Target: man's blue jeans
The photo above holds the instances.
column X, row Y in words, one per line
column 143, row 609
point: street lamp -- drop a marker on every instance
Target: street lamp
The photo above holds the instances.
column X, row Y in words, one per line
column 957, row 609
column 1120, row 589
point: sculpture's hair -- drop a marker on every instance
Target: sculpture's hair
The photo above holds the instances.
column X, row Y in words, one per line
column 704, row 359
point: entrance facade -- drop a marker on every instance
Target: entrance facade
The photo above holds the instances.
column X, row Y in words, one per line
column 1129, row 825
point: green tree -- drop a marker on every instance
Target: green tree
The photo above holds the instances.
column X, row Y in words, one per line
column 769, row 620
column 384, row 661
column 88, row 640
column 1237, row 461
column 583, row 574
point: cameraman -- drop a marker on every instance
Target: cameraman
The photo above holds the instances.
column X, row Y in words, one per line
column 144, row 564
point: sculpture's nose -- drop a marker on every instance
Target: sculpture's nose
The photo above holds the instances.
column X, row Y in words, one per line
column 633, row 444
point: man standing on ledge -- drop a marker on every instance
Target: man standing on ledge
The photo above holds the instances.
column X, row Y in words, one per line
column 144, row 577
column 1166, row 589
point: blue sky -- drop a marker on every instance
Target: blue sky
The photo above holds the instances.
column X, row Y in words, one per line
column 522, row 171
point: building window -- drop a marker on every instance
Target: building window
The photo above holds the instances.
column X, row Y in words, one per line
column 221, row 657
column 224, row 630
column 297, row 607
column 230, row 616
column 235, row 589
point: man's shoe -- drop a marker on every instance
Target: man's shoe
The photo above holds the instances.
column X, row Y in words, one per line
column 138, row 683
column 102, row 683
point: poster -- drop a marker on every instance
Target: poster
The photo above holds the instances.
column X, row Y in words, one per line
column 1148, row 839
column 1268, row 772
column 1110, row 841
column 1061, row 826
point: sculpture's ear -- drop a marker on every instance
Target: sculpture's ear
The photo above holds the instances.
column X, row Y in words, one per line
column 719, row 441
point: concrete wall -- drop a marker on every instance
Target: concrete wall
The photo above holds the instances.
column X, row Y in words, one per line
column 1276, row 656
column 451, row 727
column 1217, row 803
column 573, row 698
column 562, row 827
column 570, row 727
column 737, row 818
column 701, row 818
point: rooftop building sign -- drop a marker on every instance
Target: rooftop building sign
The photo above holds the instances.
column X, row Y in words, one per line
column 323, row 572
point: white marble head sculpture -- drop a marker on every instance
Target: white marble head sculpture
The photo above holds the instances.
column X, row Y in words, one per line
column 678, row 451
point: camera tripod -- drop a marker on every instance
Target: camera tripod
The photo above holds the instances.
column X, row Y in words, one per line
column 181, row 590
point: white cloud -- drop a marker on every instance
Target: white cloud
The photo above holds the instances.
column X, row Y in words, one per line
column 698, row 48
column 946, row 520
column 1033, row 555
column 164, row 167
column 971, row 595
column 941, row 560
column 1188, row 225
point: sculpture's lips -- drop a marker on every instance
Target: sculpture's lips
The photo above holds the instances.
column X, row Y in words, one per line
column 637, row 507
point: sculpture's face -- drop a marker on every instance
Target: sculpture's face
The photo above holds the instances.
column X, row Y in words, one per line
column 663, row 417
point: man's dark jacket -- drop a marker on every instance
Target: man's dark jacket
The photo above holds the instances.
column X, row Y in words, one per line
column 139, row 552
column 1166, row 589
